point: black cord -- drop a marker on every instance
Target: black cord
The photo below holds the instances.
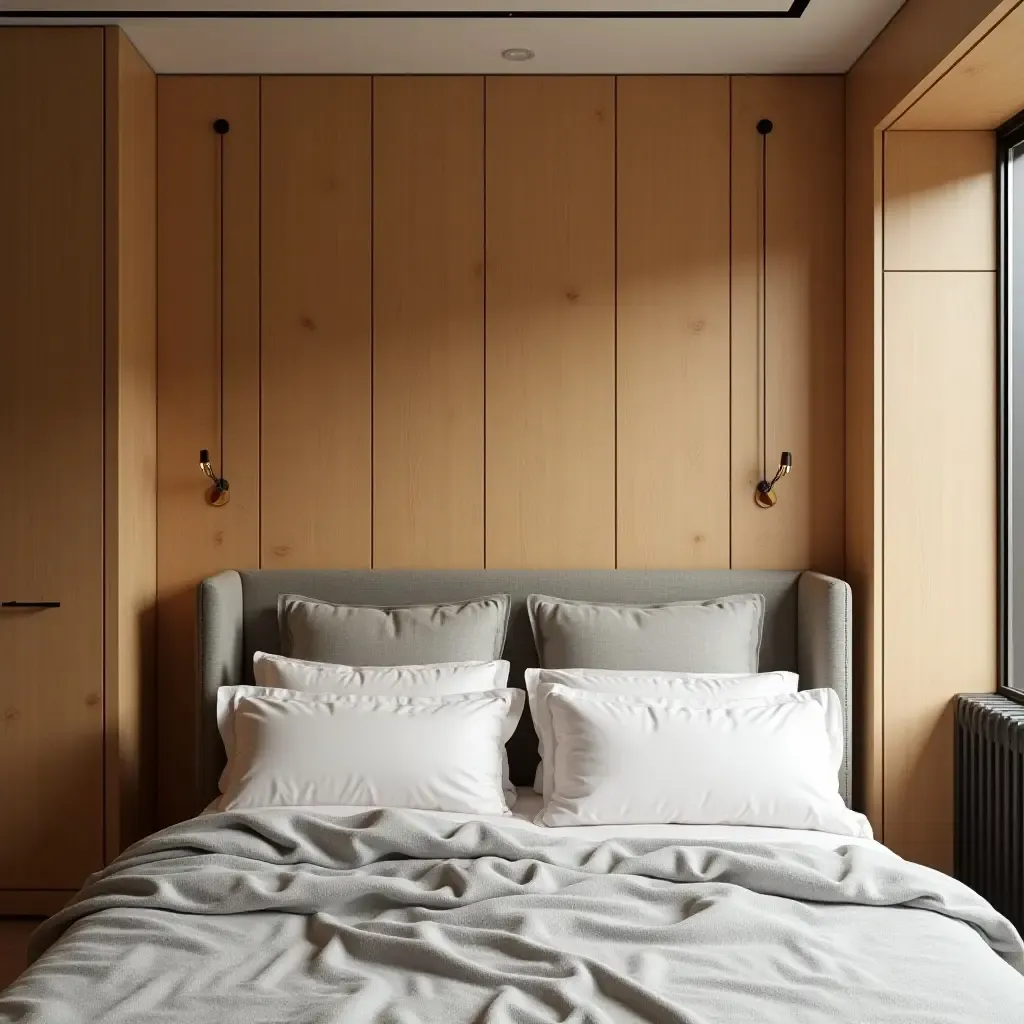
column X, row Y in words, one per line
column 220, row 290
column 764, row 304
column 221, row 127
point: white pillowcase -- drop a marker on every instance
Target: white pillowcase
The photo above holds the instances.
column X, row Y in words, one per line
column 696, row 689
column 441, row 680
column 428, row 753
column 635, row 760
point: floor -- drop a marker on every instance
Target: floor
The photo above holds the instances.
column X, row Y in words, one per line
column 14, row 933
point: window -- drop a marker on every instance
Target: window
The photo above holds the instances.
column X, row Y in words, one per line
column 1011, row 405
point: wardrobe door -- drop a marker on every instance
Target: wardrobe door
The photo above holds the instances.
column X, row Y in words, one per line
column 51, row 451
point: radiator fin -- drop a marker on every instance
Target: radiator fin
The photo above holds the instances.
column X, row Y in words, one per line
column 989, row 800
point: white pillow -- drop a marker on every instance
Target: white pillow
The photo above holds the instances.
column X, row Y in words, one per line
column 697, row 689
column 430, row 753
column 440, row 680
column 635, row 760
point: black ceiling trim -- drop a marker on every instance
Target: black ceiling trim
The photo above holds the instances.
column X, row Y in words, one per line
column 796, row 10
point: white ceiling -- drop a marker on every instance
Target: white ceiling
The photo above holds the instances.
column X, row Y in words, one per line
column 829, row 36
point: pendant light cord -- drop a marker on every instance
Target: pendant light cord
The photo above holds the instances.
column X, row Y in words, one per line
column 764, row 305
column 220, row 287
column 221, row 127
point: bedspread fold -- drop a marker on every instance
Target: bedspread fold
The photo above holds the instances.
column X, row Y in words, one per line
column 401, row 916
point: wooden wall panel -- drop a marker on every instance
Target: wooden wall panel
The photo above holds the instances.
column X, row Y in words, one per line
column 480, row 333
column 940, row 201
column 428, row 322
column 805, row 322
column 550, row 399
column 51, row 448
column 130, row 480
column 194, row 539
column 673, row 322
column 981, row 91
column 923, row 41
column 940, row 540
column 939, row 523
column 863, row 461
column 925, row 38
column 316, row 259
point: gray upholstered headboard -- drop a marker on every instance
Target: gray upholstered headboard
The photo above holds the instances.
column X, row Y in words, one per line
column 807, row 626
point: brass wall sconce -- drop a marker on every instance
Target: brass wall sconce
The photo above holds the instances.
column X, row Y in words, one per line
column 217, row 493
column 764, row 493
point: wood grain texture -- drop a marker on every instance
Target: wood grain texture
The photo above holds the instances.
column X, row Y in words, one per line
column 940, row 201
column 673, row 322
column 51, row 447
column 863, row 451
column 550, row 469
column 940, row 540
column 922, row 42
column 14, row 936
column 864, row 472
column 316, row 310
column 428, row 322
column 981, row 91
column 916, row 47
column 193, row 538
column 805, row 323
column 130, row 475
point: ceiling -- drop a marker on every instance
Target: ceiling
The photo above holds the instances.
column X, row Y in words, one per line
column 415, row 37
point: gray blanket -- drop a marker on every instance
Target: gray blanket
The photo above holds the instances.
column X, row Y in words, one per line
column 401, row 917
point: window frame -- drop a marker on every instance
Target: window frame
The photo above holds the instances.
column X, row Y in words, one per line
column 1008, row 137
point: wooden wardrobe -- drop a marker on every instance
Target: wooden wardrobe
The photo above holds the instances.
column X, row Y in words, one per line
column 78, row 451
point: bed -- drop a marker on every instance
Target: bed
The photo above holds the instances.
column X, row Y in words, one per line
column 349, row 914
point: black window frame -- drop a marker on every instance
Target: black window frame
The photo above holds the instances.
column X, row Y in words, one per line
column 1010, row 432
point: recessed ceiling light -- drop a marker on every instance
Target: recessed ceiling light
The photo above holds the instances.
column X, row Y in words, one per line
column 518, row 53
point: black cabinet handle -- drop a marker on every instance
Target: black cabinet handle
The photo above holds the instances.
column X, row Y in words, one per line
column 29, row 604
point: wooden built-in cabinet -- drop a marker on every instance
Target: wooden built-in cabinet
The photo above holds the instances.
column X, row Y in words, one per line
column 77, row 443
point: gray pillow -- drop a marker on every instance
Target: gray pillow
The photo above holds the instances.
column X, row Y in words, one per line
column 425, row 634
column 720, row 635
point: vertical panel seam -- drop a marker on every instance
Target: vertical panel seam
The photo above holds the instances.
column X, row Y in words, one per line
column 153, row 785
column 881, row 488
column 615, row 320
column 104, row 468
column 373, row 324
column 483, row 156
column 845, row 339
column 731, row 321
column 259, row 308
